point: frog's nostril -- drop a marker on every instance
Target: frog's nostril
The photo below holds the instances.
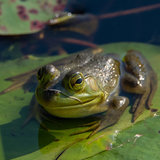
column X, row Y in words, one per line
column 50, row 93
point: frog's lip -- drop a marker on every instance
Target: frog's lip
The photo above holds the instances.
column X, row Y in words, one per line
column 77, row 110
column 95, row 100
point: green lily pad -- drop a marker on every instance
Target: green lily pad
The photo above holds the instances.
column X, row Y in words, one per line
column 27, row 16
column 124, row 140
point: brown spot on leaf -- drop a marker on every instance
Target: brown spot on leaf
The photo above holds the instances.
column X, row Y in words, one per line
column 33, row 11
column 22, row 13
column 59, row 1
column 13, row 1
column 45, row 6
column 108, row 148
column 36, row 25
column 0, row 8
column 24, row 17
column 21, row 8
column 3, row 28
column 59, row 7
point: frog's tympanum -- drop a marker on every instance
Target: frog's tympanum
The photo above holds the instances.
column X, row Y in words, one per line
column 86, row 84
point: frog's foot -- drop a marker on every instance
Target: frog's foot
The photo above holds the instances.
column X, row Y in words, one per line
column 117, row 106
column 139, row 105
column 90, row 127
column 139, row 79
column 145, row 100
column 153, row 87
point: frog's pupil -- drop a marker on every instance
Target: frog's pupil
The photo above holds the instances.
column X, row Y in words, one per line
column 79, row 81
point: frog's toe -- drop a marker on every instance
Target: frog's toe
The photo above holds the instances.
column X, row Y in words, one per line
column 88, row 124
column 138, row 107
column 144, row 101
column 153, row 87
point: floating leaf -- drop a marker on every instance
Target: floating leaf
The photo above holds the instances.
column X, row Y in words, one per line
column 33, row 142
column 27, row 16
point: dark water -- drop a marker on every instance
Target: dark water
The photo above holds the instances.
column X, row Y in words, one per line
column 138, row 27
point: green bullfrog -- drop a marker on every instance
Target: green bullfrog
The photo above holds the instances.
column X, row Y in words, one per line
column 88, row 84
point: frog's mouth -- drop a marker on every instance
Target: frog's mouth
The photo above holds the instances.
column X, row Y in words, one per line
column 77, row 106
column 81, row 104
column 64, row 101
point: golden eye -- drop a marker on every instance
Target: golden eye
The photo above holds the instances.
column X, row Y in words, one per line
column 76, row 81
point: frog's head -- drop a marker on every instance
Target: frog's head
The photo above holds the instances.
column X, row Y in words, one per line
column 71, row 95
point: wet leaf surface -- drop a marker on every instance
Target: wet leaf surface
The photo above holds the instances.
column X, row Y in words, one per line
column 139, row 142
column 33, row 142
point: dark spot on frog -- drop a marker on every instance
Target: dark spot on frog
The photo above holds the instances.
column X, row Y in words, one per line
column 159, row 131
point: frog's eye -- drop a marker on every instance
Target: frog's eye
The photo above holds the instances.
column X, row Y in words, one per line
column 76, row 81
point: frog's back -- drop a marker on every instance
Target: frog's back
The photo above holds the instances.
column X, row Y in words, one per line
column 105, row 69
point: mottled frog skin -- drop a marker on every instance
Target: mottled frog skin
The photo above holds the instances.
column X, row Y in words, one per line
column 86, row 84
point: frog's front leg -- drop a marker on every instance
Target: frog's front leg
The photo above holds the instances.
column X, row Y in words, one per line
column 139, row 78
column 116, row 106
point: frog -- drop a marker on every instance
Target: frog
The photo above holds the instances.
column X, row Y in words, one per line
column 86, row 84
